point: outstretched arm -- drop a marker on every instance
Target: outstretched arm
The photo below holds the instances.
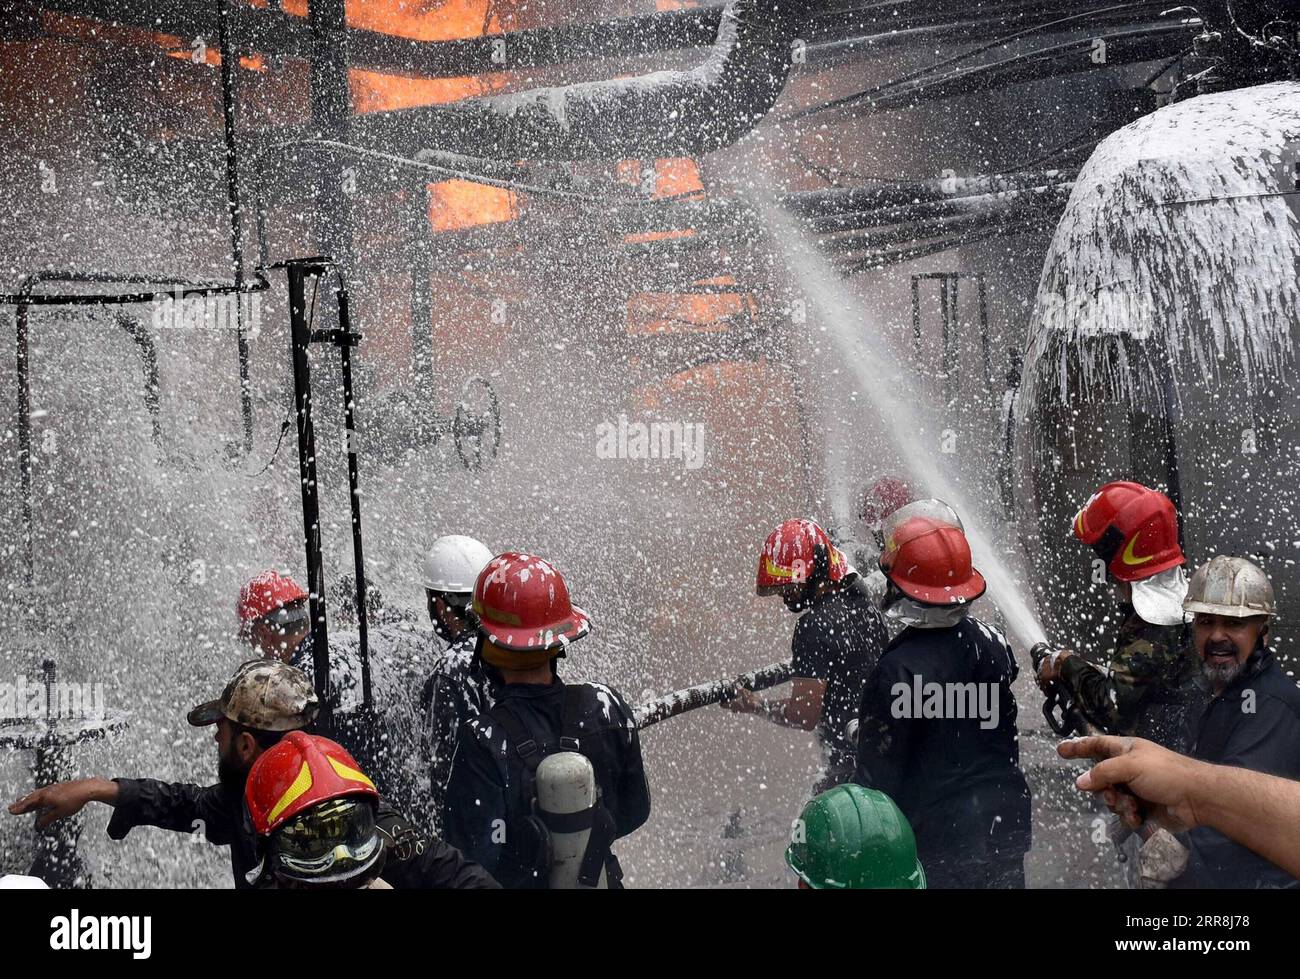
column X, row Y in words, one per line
column 1139, row 780
column 64, row 799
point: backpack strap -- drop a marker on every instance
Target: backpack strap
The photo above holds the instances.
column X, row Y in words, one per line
column 571, row 718
column 528, row 750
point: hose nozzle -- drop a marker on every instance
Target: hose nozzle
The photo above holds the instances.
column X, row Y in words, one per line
column 1040, row 651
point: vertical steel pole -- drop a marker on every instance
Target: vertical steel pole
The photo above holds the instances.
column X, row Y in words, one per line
column 985, row 340
column 945, row 314
column 354, row 490
column 916, row 317
column 25, row 443
column 228, row 103
column 300, row 338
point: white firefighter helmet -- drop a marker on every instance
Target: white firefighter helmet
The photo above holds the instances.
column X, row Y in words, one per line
column 1230, row 586
column 453, row 563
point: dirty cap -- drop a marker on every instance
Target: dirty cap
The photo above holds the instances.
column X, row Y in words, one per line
column 264, row 694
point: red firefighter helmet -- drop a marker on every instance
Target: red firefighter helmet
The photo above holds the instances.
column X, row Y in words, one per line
column 882, row 498
column 523, row 607
column 266, row 593
column 1132, row 528
column 298, row 772
column 929, row 560
column 316, row 810
column 789, row 557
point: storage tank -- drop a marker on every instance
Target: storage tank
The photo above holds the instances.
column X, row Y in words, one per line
column 1162, row 347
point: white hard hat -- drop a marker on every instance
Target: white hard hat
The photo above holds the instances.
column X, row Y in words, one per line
column 453, row 563
column 1230, row 586
column 18, row 882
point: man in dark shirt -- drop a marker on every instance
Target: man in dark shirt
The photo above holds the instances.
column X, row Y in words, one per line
column 837, row 640
column 492, row 811
column 460, row 685
column 264, row 700
column 1253, row 717
column 938, row 720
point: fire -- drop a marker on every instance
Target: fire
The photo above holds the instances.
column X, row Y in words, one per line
column 672, row 177
column 449, row 20
column 650, row 312
column 463, row 204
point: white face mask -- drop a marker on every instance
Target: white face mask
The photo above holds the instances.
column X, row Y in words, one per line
column 1159, row 599
column 921, row 616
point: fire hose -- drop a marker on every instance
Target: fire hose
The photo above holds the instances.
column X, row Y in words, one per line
column 713, row 692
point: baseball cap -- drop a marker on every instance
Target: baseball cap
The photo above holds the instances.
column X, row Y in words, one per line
column 264, row 694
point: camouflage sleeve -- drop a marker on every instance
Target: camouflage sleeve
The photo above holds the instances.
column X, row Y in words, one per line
column 1112, row 699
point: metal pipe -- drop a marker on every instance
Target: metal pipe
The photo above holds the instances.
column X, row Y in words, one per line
column 420, row 252
column 916, row 319
column 909, row 231
column 1125, row 47
column 149, row 364
column 948, row 313
column 844, row 200
column 984, row 330
column 977, row 207
column 181, row 289
column 668, row 113
column 25, row 443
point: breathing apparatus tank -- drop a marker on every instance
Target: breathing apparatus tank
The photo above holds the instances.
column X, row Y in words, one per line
column 566, row 798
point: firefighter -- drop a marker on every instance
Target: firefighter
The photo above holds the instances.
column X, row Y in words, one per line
column 460, row 686
column 274, row 617
column 1253, row 717
column 861, row 541
column 315, row 832
column 319, row 832
column 851, row 838
column 263, row 701
column 525, row 623
column 837, row 640
column 1147, row 688
column 937, row 727
column 875, row 582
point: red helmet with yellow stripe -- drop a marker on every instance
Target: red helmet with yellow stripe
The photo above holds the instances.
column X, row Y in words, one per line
column 296, row 774
column 796, row 552
column 316, row 810
column 1132, row 528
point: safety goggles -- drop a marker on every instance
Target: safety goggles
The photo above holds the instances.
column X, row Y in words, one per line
column 287, row 619
column 332, row 842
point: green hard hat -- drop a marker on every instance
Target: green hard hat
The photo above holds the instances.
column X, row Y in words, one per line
column 853, row 838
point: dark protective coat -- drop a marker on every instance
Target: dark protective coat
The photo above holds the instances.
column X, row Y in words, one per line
column 485, row 796
column 956, row 778
column 414, row 859
column 1254, row 723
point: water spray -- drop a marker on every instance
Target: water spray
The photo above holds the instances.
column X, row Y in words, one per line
column 843, row 316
